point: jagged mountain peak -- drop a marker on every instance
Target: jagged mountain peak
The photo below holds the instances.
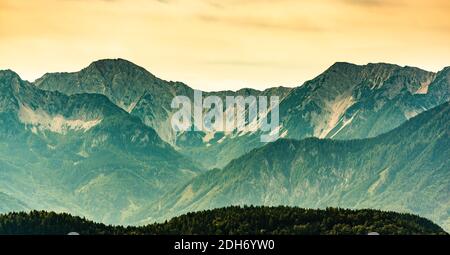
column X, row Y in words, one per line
column 102, row 76
column 444, row 71
column 372, row 67
column 10, row 81
column 123, row 82
column 104, row 66
column 341, row 66
column 440, row 88
column 8, row 72
column 114, row 66
column 352, row 69
column 7, row 75
column 339, row 70
column 114, row 61
column 343, row 76
column 382, row 65
column 356, row 101
column 444, row 76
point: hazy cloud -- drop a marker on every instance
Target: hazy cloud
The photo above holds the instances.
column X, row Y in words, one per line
column 292, row 24
column 372, row 3
column 238, row 62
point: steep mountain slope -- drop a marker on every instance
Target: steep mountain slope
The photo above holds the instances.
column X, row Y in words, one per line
column 127, row 85
column 407, row 170
column 347, row 101
column 80, row 153
column 233, row 221
column 136, row 90
column 10, row 204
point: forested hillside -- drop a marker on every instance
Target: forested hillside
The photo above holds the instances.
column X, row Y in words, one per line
column 233, row 221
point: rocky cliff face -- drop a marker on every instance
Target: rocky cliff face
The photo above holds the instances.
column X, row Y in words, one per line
column 349, row 101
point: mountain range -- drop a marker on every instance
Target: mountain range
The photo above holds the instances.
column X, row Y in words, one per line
column 99, row 143
column 347, row 101
column 406, row 169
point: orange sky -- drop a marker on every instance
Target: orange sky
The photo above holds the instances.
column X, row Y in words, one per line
column 223, row 44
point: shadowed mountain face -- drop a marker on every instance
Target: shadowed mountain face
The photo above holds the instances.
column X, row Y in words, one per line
column 347, row 101
column 404, row 170
column 80, row 153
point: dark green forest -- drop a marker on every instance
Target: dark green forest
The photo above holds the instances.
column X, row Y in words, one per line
column 232, row 221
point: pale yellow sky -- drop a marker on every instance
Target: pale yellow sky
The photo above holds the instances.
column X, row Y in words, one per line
column 223, row 44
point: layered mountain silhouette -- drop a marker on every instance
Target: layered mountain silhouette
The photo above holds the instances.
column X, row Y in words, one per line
column 404, row 170
column 99, row 143
column 135, row 90
column 347, row 101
